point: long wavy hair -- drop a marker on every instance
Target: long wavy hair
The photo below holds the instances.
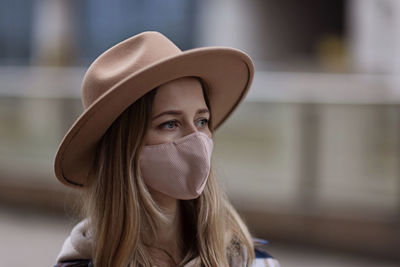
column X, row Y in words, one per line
column 122, row 215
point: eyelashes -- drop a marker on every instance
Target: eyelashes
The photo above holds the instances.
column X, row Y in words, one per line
column 172, row 124
column 204, row 120
column 166, row 124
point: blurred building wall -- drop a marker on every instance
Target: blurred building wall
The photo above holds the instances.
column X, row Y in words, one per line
column 374, row 28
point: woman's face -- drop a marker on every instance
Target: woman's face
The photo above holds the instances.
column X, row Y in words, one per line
column 178, row 109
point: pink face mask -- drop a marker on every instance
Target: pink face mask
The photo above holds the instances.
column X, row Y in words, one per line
column 179, row 168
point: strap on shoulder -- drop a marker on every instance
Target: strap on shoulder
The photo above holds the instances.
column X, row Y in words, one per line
column 261, row 253
column 259, row 249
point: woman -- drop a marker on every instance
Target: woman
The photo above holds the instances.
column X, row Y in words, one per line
column 140, row 153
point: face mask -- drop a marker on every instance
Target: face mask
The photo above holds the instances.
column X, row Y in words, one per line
column 179, row 168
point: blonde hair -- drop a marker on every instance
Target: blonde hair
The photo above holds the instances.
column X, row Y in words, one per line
column 122, row 214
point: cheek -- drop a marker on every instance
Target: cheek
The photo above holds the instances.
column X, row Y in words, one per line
column 154, row 137
column 208, row 132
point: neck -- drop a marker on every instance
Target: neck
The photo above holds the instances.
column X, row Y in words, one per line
column 169, row 233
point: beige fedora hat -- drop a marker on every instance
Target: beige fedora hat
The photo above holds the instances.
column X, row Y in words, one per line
column 130, row 69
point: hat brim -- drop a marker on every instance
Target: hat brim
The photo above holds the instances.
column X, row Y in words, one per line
column 227, row 72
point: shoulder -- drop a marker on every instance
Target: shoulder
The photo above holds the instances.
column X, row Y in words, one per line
column 76, row 249
column 263, row 257
column 75, row 263
column 238, row 254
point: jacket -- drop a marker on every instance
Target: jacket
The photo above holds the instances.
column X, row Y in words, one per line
column 76, row 252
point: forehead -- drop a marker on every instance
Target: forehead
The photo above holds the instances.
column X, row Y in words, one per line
column 180, row 93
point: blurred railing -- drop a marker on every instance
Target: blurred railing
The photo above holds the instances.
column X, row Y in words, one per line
column 308, row 157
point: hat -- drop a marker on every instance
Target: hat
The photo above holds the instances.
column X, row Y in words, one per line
column 130, row 69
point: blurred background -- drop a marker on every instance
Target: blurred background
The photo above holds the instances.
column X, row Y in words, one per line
column 311, row 159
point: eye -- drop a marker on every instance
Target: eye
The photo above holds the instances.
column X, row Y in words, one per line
column 169, row 125
column 202, row 123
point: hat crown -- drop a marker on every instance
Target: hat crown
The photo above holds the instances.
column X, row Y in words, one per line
column 122, row 60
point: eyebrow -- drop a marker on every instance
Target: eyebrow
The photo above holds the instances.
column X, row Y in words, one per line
column 178, row 112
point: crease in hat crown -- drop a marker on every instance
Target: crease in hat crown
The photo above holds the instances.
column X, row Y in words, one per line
column 122, row 60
